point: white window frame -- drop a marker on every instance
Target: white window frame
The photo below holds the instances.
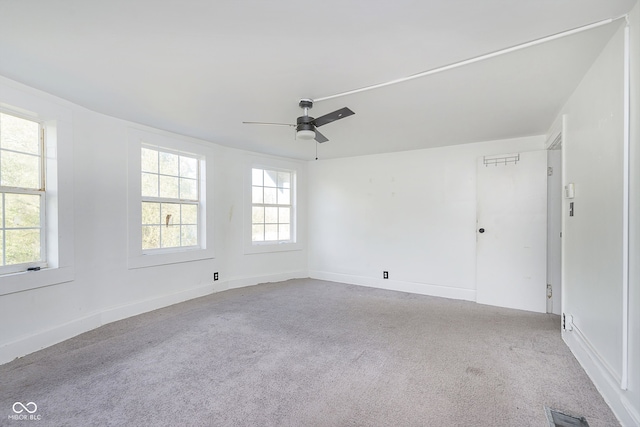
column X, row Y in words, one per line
column 297, row 211
column 148, row 199
column 139, row 258
column 291, row 206
column 58, row 223
column 41, row 192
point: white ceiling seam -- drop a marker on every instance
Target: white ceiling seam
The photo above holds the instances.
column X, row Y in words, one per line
column 476, row 59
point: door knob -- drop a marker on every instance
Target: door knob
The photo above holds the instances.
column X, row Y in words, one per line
column 481, row 230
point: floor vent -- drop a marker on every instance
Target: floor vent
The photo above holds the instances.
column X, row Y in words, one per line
column 562, row 419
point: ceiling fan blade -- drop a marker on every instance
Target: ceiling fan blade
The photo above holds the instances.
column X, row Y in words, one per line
column 268, row 124
column 320, row 137
column 332, row 117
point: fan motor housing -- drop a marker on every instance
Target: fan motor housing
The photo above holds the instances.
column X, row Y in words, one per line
column 305, row 123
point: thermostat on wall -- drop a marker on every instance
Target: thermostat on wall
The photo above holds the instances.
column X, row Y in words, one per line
column 569, row 191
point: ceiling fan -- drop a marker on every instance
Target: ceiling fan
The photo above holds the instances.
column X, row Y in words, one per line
column 306, row 126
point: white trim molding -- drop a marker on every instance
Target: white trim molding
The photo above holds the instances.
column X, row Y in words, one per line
column 607, row 383
column 398, row 285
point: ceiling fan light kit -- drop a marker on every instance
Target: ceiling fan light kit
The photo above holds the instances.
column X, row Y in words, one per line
column 304, row 123
column 305, row 134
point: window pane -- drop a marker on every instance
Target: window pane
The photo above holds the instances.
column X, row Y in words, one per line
column 149, row 185
column 270, row 178
column 150, row 213
column 176, row 178
column 256, row 195
column 284, row 232
column 190, row 214
column 271, row 223
column 22, row 210
column 19, row 134
column 284, row 215
column 168, row 164
column 188, row 189
column 257, row 233
column 169, row 187
column 284, row 180
column 1, row 217
column 170, row 214
column 22, row 246
column 151, row 237
column 256, row 177
column 284, row 196
column 189, row 235
column 188, row 167
column 149, row 160
column 271, row 232
column 270, row 196
column 257, row 215
column 20, row 170
column 170, row 236
column 271, row 215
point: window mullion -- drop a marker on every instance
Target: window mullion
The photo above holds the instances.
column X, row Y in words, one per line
column 18, row 190
column 169, row 200
column 43, row 234
column 4, row 243
column 43, row 174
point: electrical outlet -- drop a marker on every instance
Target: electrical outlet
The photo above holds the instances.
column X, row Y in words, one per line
column 567, row 322
column 215, row 276
column 385, row 274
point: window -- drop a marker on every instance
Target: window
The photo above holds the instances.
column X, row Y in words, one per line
column 271, row 206
column 22, row 194
column 170, row 190
column 36, row 190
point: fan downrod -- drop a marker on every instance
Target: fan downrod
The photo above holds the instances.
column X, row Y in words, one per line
column 306, row 104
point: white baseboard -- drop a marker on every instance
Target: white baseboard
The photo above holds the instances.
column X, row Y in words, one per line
column 120, row 312
column 607, row 383
column 50, row 336
column 397, row 285
column 241, row 282
column 47, row 337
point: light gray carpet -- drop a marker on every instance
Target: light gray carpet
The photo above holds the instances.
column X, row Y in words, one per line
column 308, row 353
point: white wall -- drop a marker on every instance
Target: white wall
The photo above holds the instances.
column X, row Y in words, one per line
column 410, row 213
column 593, row 238
column 102, row 287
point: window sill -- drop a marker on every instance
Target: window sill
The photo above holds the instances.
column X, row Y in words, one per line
column 261, row 248
column 157, row 259
column 27, row 280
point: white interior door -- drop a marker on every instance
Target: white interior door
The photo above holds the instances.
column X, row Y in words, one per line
column 512, row 231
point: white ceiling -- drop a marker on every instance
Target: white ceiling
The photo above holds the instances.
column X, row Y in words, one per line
column 200, row 68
